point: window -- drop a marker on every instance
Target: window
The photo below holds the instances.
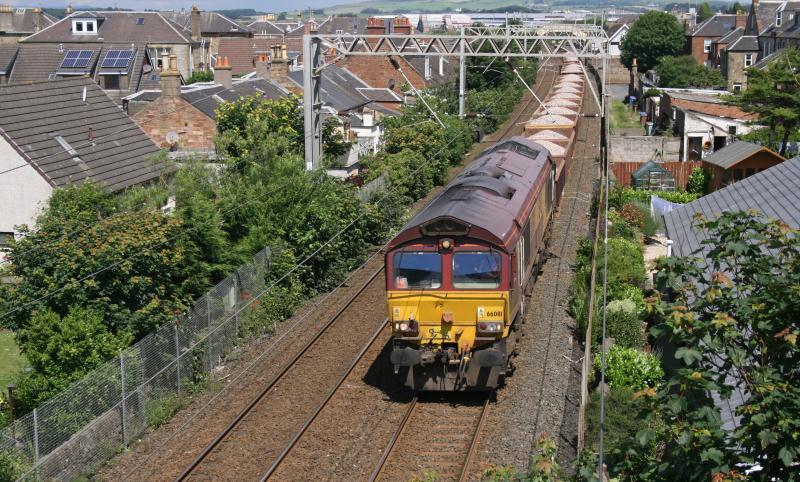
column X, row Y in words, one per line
column 748, row 60
column 84, row 27
column 111, row 82
column 417, row 270
column 707, row 45
column 140, row 21
column 732, row 128
column 737, row 88
column 340, row 32
column 778, row 19
column 476, row 270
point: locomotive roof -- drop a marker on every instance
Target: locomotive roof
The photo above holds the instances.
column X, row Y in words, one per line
column 489, row 198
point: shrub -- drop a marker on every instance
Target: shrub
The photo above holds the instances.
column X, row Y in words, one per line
column 621, row 195
column 623, row 324
column 11, row 465
column 632, row 215
column 697, row 181
column 630, row 368
column 625, row 264
column 618, row 228
column 632, row 293
column 159, row 410
column 200, row 76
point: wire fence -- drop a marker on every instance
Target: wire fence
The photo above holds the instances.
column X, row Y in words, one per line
column 99, row 415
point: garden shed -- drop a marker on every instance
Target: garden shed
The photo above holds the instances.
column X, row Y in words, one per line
column 652, row 176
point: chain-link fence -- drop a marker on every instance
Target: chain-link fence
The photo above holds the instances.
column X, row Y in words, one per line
column 99, row 415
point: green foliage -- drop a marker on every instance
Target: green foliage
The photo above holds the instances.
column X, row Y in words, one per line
column 736, row 8
column 128, row 266
column 631, row 368
column 684, row 71
column 159, row 410
column 619, row 228
column 651, row 92
column 631, row 293
column 276, row 306
column 704, row 12
column 621, row 195
column 543, row 466
column 623, row 324
column 625, row 264
column 579, row 291
column 773, row 93
column 200, row 76
column 61, row 350
column 12, row 466
column 428, row 475
column 653, row 35
column 697, row 181
column 732, row 315
column 770, row 138
column 623, row 117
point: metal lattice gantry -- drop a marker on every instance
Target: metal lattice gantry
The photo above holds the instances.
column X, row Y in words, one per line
column 584, row 41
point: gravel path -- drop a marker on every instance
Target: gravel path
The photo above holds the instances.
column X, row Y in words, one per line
column 543, row 395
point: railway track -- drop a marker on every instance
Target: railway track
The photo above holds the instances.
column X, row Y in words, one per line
column 439, row 434
column 214, row 463
column 256, row 438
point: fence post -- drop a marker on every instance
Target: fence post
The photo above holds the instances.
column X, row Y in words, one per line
column 122, row 384
column 177, row 356
column 35, row 436
column 236, row 299
column 210, row 344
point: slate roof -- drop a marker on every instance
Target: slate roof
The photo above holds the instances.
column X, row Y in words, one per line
column 241, row 52
column 33, row 115
column 208, row 98
column 339, row 88
column 716, row 26
column 745, row 43
column 265, row 27
column 357, row 25
column 210, row 22
column 8, row 52
column 379, row 95
column 732, row 36
column 735, row 153
column 120, row 27
column 23, row 21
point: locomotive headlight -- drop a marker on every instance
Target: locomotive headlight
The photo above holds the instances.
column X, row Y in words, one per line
column 490, row 327
column 406, row 327
column 400, row 326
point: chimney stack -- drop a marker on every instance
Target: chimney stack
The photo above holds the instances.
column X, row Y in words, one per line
column 70, row 10
column 375, row 26
column 222, row 73
column 402, row 26
column 741, row 20
column 38, row 16
column 262, row 66
column 280, row 66
column 170, row 77
column 195, row 23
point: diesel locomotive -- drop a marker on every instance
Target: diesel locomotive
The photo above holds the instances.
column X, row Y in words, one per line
column 457, row 274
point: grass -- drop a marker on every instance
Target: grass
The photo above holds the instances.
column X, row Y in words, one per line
column 11, row 360
column 622, row 117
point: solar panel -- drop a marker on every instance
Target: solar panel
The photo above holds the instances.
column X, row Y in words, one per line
column 117, row 59
column 76, row 59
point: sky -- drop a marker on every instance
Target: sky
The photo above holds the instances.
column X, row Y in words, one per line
column 265, row 6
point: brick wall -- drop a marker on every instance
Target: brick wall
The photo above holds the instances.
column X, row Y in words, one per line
column 696, row 48
column 196, row 131
column 642, row 148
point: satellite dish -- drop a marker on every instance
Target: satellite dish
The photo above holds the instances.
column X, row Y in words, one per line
column 147, row 68
column 172, row 138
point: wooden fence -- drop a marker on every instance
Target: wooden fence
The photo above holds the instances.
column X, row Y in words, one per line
column 681, row 170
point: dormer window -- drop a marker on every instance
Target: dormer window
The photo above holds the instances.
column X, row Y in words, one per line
column 84, row 27
column 778, row 18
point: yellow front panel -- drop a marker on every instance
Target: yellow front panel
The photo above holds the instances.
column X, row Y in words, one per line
column 466, row 308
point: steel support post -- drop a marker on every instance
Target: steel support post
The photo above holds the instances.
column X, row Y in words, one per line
column 177, row 357
column 311, row 101
column 124, row 401
column 462, row 78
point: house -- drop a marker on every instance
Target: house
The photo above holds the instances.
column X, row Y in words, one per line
column 182, row 119
column 615, row 39
column 700, row 39
column 774, row 193
column 207, row 28
column 17, row 23
column 702, row 121
column 61, row 132
column 737, row 161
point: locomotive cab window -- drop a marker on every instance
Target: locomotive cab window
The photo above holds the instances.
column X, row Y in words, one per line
column 417, row 270
column 476, row 270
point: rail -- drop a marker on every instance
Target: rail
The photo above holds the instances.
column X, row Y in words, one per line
column 211, row 447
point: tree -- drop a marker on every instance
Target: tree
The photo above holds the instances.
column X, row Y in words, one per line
column 654, row 35
column 731, row 314
column 61, row 350
column 774, row 94
column 704, row 12
column 129, row 266
column 736, row 8
column 697, row 181
column 684, row 71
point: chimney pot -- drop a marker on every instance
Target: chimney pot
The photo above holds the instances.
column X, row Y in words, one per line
column 222, row 72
